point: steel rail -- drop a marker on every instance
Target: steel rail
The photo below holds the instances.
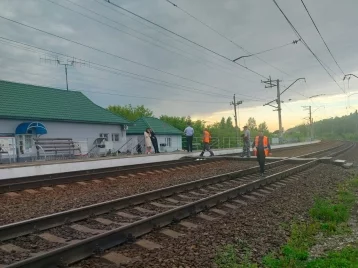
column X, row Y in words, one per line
column 77, row 251
column 17, row 229
column 323, row 151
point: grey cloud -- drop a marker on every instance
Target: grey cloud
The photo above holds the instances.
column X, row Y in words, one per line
column 256, row 25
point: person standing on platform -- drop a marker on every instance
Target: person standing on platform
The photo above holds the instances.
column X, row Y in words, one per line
column 189, row 133
column 154, row 140
column 206, row 141
column 147, row 141
column 262, row 148
column 246, row 140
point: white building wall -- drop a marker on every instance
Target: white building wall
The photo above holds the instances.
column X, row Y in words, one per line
column 176, row 142
column 79, row 132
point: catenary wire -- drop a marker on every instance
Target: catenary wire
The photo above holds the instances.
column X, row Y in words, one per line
column 108, row 53
column 322, row 37
column 110, row 93
column 104, row 67
column 139, row 38
column 188, row 40
column 225, row 37
column 306, row 45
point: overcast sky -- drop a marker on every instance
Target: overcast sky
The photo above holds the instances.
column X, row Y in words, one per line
column 193, row 81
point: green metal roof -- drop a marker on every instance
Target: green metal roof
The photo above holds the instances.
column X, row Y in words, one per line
column 30, row 102
column 159, row 127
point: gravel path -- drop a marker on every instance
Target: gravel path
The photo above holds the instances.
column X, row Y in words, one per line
column 262, row 226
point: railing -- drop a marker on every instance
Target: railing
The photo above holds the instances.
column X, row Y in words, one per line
column 215, row 143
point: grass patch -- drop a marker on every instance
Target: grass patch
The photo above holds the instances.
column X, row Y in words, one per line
column 228, row 258
column 326, row 216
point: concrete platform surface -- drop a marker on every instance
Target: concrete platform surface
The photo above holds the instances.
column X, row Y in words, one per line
column 52, row 167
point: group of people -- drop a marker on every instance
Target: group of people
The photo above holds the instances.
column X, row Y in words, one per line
column 189, row 133
column 261, row 145
column 150, row 141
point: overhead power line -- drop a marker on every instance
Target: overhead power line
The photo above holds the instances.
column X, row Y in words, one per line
column 117, row 71
column 190, row 57
column 306, row 45
column 225, row 37
column 322, row 37
column 109, row 53
column 183, row 37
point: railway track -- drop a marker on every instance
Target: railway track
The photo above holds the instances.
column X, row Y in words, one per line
column 23, row 183
column 102, row 226
column 32, row 182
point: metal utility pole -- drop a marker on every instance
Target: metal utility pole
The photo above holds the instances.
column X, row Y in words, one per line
column 276, row 83
column 69, row 63
column 236, row 103
column 310, row 119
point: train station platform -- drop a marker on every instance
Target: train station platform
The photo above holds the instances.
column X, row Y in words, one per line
column 17, row 170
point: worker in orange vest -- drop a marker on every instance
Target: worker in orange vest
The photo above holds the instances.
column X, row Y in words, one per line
column 262, row 148
column 206, row 141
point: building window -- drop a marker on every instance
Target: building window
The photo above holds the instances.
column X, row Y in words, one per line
column 115, row 137
column 28, row 142
column 104, row 135
column 168, row 142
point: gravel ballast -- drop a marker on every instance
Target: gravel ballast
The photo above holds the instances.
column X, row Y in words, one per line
column 44, row 202
column 262, row 226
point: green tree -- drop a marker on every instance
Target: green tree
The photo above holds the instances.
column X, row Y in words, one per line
column 130, row 112
column 251, row 124
column 229, row 122
column 222, row 123
column 263, row 127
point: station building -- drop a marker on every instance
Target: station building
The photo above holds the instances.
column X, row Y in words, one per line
column 169, row 138
column 38, row 121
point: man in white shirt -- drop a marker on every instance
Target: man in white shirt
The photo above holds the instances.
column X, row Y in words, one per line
column 189, row 133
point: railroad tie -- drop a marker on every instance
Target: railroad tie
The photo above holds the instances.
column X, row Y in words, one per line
column 104, row 221
column 172, row 200
column 144, row 210
column 171, row 233
column 188, row 224
column 239, row 201
column 257, row 194
column 162, row 205
column 127, row 215
column 230, row 206
column 10, row 248
column 117, row 259
column 218, row 211
column 206, row 217
column 61, row 186
column 96, row 181
column 148, row 244
column 110, row 178
column 52, row 238
column 81, row 183
column 85, row 229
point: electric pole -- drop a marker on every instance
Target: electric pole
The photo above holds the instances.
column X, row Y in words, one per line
column 309, row 108
column 236, row 103
column 276, row 83
column 69, row 63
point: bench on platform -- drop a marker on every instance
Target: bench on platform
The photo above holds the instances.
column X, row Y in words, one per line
column 56, row 146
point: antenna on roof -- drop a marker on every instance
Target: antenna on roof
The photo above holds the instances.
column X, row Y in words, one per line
column 67, row 63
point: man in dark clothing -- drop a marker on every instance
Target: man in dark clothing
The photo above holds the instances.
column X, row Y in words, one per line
column 154, row 140
column 263, row 149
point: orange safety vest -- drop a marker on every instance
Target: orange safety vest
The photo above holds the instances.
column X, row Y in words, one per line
column 265, row 144
column 206, row 137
